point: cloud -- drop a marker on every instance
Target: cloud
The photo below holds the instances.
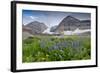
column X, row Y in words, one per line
column 33, row 17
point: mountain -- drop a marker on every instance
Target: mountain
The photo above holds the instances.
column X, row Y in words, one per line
column 36, row 27
column 70, row 23
column 53, row 28
column 32, row 28
column 26, row 32
column 26, row 29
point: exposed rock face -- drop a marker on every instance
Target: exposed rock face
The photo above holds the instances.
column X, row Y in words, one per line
column 70, row 23
column 32, row 29
column 53, row 28
column 36, row 27
column 85, row 24
column 26, row 29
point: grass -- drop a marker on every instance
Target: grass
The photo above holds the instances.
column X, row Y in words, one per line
column 50, row 48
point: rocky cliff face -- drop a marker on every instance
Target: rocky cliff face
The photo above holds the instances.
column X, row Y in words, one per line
column 70, row 23
column 36, row 27
column 53, row 28
column 32, row 29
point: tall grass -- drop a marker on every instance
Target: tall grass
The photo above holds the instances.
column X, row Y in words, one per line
column 50, row 48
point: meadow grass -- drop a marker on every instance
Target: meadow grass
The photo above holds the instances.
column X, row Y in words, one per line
column 51, row 48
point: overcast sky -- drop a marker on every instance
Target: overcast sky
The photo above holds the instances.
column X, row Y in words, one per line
column 50, row 18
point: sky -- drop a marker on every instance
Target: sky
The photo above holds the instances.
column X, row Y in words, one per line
column 50, row 18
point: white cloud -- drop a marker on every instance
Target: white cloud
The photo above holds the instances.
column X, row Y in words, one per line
column 32, row 17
